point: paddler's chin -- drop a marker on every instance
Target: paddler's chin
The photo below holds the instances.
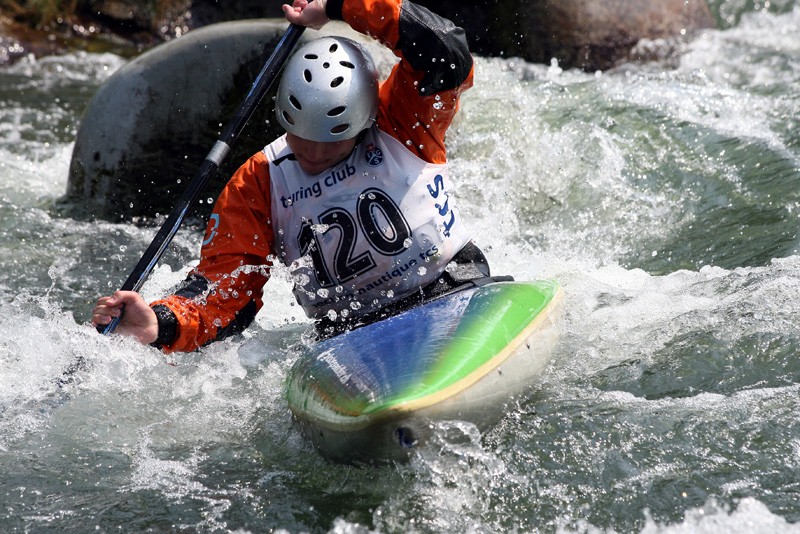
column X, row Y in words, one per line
column 315, row 157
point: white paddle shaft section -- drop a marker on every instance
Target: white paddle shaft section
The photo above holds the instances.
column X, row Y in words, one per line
column 218, row 153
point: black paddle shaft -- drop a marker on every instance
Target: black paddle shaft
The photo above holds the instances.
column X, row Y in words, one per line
column 209, row 166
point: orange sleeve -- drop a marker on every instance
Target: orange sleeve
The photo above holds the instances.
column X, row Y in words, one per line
column 377, row 18
column 420, row 123
column 420, row 98
column 225, row 289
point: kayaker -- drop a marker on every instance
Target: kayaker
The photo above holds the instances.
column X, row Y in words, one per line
column 354, row 198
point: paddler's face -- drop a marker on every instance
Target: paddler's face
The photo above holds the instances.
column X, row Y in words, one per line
column 315, row 157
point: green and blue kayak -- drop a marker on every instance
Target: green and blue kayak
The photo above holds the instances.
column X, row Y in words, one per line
column 373, row 393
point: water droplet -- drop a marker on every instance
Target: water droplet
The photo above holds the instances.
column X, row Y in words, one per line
column 408, row 242
column 421, row 271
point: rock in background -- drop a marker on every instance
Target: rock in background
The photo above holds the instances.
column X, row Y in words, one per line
column 586, row 34
column 595, row 35
column 149, row 127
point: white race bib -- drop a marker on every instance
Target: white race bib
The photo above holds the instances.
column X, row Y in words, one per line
column 365, row 233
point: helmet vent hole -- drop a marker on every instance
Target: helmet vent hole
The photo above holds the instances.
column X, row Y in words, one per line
column 311, row 56
column 347, row 64
column 336, row 82
column 340, row 129
column 335, row 112
column 307, row 75
column 288, row 118
column 334, row 47
column 296, row 103
column 326, row 65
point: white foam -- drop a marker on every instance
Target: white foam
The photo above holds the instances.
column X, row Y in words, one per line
column 749, row 516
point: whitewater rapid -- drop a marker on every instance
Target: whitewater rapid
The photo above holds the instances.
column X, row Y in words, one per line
column 662, row 196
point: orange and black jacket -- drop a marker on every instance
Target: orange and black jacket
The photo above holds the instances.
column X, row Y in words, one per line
column 418, row 101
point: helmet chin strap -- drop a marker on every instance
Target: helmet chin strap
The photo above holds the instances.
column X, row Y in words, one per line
column 361, row 135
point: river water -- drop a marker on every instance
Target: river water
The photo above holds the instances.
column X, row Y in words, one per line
column 663, row 196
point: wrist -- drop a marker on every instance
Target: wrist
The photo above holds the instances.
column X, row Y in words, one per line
column 167, row 326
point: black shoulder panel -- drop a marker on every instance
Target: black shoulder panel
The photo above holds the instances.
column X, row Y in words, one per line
column 435, row 46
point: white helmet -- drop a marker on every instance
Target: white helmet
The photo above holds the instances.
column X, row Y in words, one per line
column 329, row 91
